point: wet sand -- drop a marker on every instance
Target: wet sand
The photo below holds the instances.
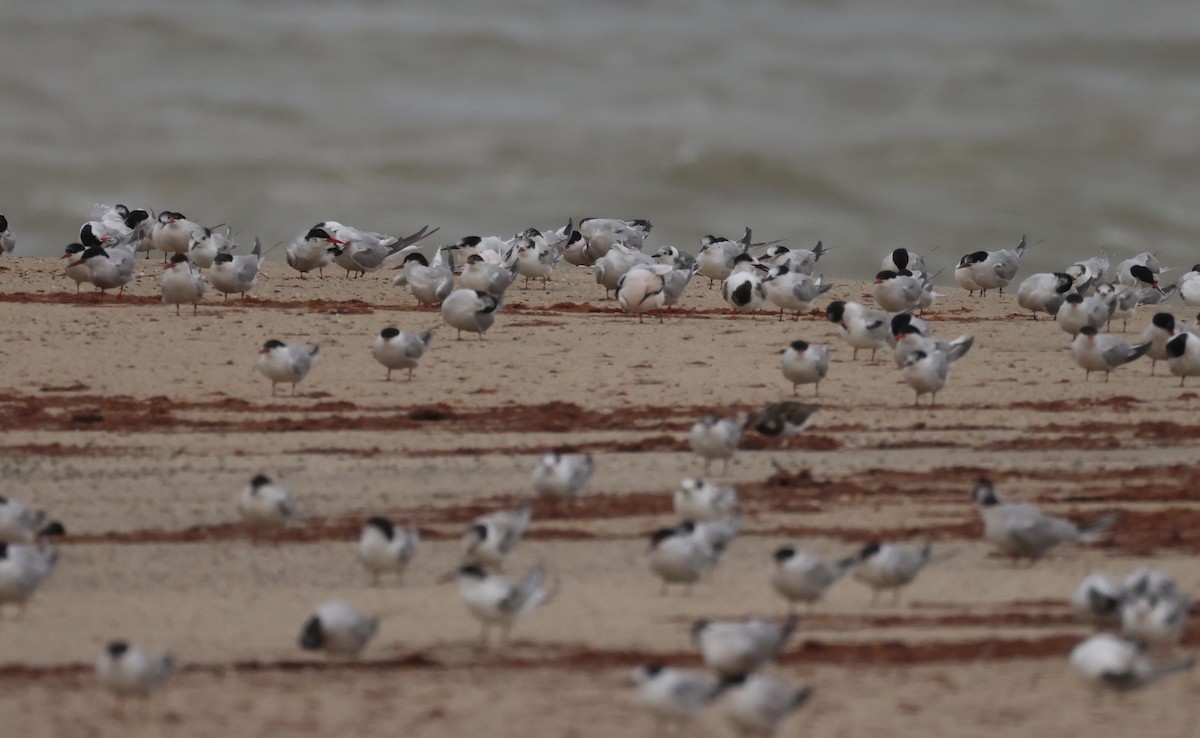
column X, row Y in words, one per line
column 138, row 429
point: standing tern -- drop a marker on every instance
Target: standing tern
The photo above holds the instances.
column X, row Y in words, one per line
column 643, row 289
column 715, row 438
column 927, row 371
column 1183, row 356
column 313, row 250
column 696, row 499
column 756, row 705
column 385, row 549
column 716, row 259
column 431, row 285
column 470, row 311
column 339, row 629
column 900, row 259
column 562, row 475
column 128, row 671
column 1045, row 292
column 234, row 275
column 862, row 327
column 8, row 242
column 792, row 290
column 674, row 696
column 496, row 600
column 396, row 349
column 890, row 566
column 1120, row 664
column 1021, row 531
column 481, row 276
column 266, row 504
column 181, row 284
column 286, row 363
column 805, row 363
column 1188, row 287
column 207, row 244
column 23, row 569
column 1103, row 352
column 800, row 576
column 737, row 648
column 492, row 537
column 678, row 555
column 1097, row 600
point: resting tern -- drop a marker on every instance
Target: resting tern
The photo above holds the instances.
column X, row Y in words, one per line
column 1120, row 664
column 128, row 671
column 791, row 290
column 107, row 269
column 716, row 259
column 481, row 276
column 696, row 499
column 492, row 537
column 536, row 258
column 898, row 292
column 562, row 475
column 800, row 576
column 1124, row 299
column 1097, row 600
column 396, row 349
column 1149, row 582
column 997, row 269
column 1103, row 352
column 900, row 259
column 715, row 438
column 890, row 566
column 643, row 289
column 677, row 555
column 1089, row 272
column 743, row 289
column 802, row 261
column 756, row 705
column 8, row 242
column 232, row 275
column 207, row 243
column 805, row 363
column 366, row 251
column 181, row 284
column 339, row 629
column 862, row 328
column 1022, row 531
column 21, row 524
column 1147, row 261
column 497, row 600
column 674, row 257
column 286, row 363
column 1188, row 287
column 964, row 276
column 1078, row 311
column 431, row 285
column 172, row 234
column 736, row 648
column 75, row 269
column 602, row 233
column 384, row 548
column 23, row 568
column 610, row 268
column 1045, row 292
column 470, row 311
column 313, row 250
column 264, row 503
column 674, row 696
column 1156, row 620
column 577, row 251
column 1183, row 356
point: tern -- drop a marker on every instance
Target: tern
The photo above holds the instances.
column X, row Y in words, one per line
column 396, row 349
column 286, row 363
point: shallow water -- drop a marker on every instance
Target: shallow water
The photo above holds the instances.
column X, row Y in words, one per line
column 868, row 124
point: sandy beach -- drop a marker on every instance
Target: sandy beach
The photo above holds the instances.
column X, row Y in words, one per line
column 138, row 429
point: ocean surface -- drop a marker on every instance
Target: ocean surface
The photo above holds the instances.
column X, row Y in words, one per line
column 938, row 125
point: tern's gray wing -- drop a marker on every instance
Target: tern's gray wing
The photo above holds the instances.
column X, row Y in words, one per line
column 695, row 690
column 409, row 240
column 247, row 268
column 301, row 360
column 1036, row 531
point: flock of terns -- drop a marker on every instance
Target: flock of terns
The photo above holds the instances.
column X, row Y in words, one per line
column 1142, row 616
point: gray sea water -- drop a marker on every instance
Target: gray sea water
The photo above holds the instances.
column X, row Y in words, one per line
column 870, row 124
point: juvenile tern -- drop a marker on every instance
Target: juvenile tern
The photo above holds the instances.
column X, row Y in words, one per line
column 206, row 244
column 470, row 311
column 890, row 566
column 286, row 363
column 800, row 576
column 1120, row 664
column 714, row 438
column 756, row 705
column 536, row 259
column 23, row 568
column 562, row 475
column 396, row 349
column 786, row 419
column 674, row 696
column 492, row 537
column 696, row 499
column 1125, row 301
column 862, row 327
column 339, row 629
column 181, row 284
column 128, row 671
column 805, row 363
column 266, row 504
column 1103, row 352
column 1183, row 356
column 674, row 257
column 497, row 600
column 1021, row 531
column 233, row 275
column 736, row 648
column 386, row 549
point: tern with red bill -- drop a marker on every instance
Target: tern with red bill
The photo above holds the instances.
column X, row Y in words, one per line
column 182, row 284
column 286, row 363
